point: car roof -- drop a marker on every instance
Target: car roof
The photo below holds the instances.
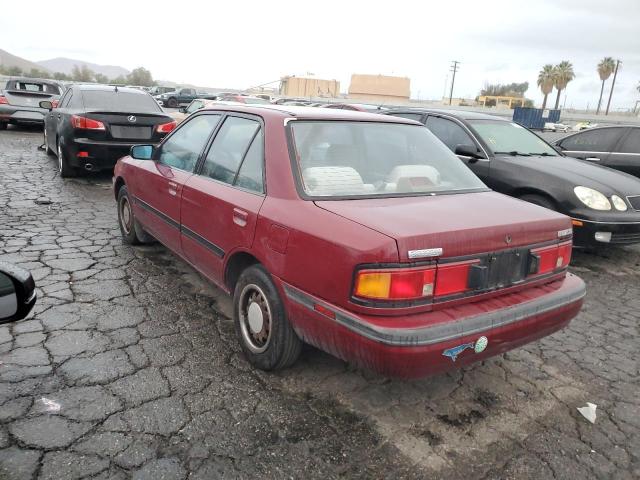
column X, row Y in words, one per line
column 109, row 88
column 310, row 113
column 462, row 114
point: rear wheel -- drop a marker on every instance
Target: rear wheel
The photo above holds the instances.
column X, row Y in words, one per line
column 265, row 334
column 131, row 230
column 539, row 200
column 46, row 143
column 65, row 170
column 172, row 103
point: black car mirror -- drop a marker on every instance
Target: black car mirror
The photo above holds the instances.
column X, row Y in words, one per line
column 182, row 109
column 17, row 293
column 46, row 104
column 468, row 151
column 142, row 152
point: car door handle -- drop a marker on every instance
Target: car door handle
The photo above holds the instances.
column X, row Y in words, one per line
column 240, row 217
column 592, row 159
column 173, row 189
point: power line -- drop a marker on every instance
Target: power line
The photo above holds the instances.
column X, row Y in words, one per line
column 454, row 69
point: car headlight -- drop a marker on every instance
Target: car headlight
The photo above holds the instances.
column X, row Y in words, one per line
column 619, row 203
column 592, row 198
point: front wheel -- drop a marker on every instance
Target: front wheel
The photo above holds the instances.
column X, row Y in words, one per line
column 172, row 103
column 131, row 230
column 265, row 334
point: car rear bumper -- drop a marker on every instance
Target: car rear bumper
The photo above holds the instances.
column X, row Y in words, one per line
column 101, row 155
column 15, row 114
column 439, row 340
column 592, row 233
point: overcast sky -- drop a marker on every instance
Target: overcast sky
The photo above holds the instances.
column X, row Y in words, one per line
column 245, row 43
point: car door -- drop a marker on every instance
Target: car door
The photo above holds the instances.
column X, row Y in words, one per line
column 220, row 204
column 453, row 133
column 626, row 154
column 158, row 183
column 51, row 122
column 594, row 145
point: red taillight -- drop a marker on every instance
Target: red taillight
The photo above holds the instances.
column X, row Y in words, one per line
column 82, row 154
column 85, row 123
column 554, row 257
column 3, row 100
column 395, row 284
column 453, row 278
column 166, row 127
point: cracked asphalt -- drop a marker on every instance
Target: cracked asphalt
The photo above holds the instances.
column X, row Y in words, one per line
column 129, row 368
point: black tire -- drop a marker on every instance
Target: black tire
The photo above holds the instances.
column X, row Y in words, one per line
column 3, row 125
column 47, row 149
column 131, row 230
column 539, row 200
column 65, row 170
column 172, row 103
column 276, row 345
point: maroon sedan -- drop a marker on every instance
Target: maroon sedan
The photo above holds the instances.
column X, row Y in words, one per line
column 360, row 234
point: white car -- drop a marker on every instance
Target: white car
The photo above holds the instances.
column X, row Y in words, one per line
column 555, row 127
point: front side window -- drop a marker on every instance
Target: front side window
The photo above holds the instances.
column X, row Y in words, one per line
column 363, row 159
column 229, row 148
column 183, row 148
column 449, row 132
column 195, row 105
column 510, row 138
column 599, row 140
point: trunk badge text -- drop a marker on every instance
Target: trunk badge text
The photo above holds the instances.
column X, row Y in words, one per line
column 425, row 253
column 132, row 118
column 478, row 346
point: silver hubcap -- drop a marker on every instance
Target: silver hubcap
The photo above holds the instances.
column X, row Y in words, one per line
column 59, row 158
column 255, row 318
column 125, row 215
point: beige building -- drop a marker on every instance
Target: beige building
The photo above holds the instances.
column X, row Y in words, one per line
column 379, row 88
column 291, row 86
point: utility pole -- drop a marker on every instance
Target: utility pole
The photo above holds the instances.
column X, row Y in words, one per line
column 454, row 69
column 615, row 74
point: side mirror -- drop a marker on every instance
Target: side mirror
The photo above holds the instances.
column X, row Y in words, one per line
column 17, row 293
column 468, row 151
column 182, row 109
column 141, row 152
column 46, row 104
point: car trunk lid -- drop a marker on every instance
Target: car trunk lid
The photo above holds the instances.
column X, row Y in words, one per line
column 460, row 225
column 27, row 98
column 127, row 126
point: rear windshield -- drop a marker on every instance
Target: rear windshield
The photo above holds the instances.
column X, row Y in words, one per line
column 509, row 137
column 365, row 159
column 34, row 87
column 256, row 100
column 112, row 101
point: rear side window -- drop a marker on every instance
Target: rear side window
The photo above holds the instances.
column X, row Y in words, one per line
column 183, row 148
column 229, row 149
column 112, row 101
column 631, row 144
column 448, row 132
column 600, row 140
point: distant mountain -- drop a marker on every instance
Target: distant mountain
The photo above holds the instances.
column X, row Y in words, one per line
column 65, row 65
column 9, row 60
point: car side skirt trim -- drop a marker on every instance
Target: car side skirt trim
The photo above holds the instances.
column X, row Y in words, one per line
column 412, row 337
column 212, row 247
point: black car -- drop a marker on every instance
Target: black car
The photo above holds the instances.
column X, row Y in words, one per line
column 21, row 97
column 604, row 204
column 614, row 147
column 94, row 125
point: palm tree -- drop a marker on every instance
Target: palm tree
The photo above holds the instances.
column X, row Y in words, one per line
column 605, row 68
column 563, row 74
column 545, row 82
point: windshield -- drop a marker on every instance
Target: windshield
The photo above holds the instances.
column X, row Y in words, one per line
column 112, row 101
column 509, row 137
column 338, row 159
